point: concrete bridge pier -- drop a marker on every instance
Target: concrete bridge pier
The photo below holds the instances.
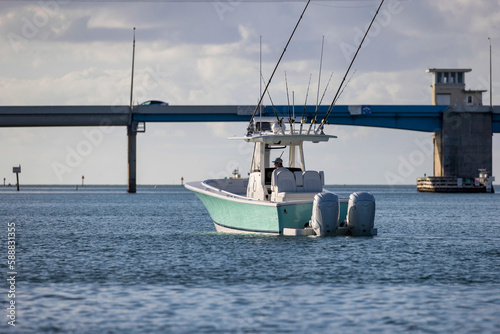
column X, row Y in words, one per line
column 132, row 157
column 464, row 144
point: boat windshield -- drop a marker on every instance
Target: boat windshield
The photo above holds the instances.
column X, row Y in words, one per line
column 265, row 154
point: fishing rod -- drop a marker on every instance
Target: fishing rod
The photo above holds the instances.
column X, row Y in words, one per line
column 323, row 122
column 293, row 105
column 274, row 71
column 288, row 99
column 319, row 85
column 293, row 113
column 346, row 84
column 302, row 121
column 319, row 76
column 313, row 121
column 272, row 103
column 326, row 88
column 342, row 91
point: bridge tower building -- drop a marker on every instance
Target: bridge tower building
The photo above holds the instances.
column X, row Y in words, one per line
column 448, row 88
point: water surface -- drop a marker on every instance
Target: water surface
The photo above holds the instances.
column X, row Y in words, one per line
column 99, row 260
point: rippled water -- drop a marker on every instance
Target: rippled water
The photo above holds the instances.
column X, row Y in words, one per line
column 99, row 260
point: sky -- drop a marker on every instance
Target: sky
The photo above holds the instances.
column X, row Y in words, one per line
column 60, row 52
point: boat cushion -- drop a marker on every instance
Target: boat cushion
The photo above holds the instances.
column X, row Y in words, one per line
column 283, row 181
column 312, row 181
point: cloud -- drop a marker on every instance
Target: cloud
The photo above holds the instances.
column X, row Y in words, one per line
column 480, row 16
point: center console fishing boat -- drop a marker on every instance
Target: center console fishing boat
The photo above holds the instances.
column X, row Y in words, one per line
column 287, row 200
column 290, row 199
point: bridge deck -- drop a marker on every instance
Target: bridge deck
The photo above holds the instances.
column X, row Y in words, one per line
column 408, row 117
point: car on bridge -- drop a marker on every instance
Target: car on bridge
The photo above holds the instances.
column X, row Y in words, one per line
column 154, row 103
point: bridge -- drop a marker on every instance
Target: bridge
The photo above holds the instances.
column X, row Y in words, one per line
column 418, row 118
column 427, row 118
column 467, row 127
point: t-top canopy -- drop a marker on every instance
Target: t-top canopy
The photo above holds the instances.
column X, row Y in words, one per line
column 268, row 130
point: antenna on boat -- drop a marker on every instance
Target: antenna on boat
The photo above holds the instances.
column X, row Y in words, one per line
column 323, row 122
column 274, row 71
column 302, row 121
column 132, row 81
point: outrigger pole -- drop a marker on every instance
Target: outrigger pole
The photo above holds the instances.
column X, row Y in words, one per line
column 323, row 122
column 274, row 71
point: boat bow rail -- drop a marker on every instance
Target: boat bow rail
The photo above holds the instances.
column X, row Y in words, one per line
column 212, row 187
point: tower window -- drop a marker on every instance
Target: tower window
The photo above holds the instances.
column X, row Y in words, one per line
column 460, row 78
column 470, row 99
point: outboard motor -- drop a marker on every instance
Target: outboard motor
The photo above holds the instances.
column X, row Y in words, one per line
column 361, row 214
column 325, row 214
